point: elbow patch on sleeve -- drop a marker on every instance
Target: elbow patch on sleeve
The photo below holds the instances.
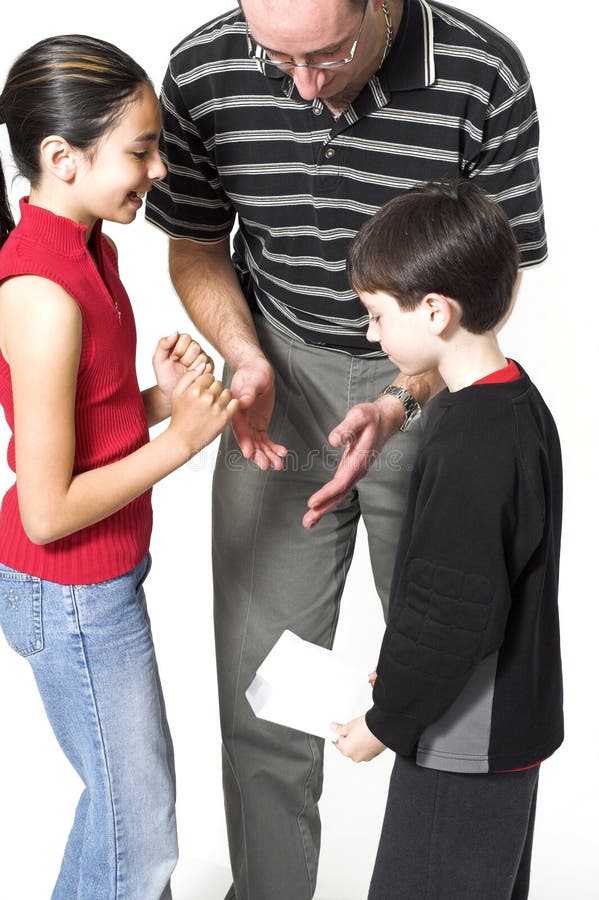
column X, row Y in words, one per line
column 440, row 625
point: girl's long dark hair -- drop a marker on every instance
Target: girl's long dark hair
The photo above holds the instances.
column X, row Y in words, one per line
column 71, row 85
column 7, row 223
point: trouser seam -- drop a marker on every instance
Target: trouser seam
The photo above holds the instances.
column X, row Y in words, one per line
column 312, row 887
column 243, row 642
column 348, row 556
column 102, row 743
column 349, row 381
column 429, row 879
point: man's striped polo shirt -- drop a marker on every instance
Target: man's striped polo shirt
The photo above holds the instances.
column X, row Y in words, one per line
column 453, row 99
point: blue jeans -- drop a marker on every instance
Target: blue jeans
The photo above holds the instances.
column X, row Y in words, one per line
column 91, row 651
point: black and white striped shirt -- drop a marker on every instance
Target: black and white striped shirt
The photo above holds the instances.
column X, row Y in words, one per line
column 453, row 99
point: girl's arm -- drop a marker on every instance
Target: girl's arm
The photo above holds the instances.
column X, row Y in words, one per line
column 40, row 337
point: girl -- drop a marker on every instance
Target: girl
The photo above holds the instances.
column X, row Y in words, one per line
column 83, row 122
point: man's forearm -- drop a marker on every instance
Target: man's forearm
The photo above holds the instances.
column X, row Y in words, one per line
column 205, row 280
column 423, row 388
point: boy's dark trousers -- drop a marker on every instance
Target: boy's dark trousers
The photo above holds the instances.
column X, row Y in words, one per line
column 450, row 836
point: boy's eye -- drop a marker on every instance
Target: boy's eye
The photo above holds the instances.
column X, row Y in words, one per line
column 373, row 319
column 140, row 154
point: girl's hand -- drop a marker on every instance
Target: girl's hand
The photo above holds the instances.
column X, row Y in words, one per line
column 201, row 409
column 175, row 355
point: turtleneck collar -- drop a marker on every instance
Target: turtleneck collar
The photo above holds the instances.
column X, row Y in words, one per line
column 58, row 232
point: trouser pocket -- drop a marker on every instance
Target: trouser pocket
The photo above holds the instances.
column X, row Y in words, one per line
column 21, row 611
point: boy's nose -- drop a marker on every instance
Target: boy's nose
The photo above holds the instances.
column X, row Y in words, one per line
column 372, row 334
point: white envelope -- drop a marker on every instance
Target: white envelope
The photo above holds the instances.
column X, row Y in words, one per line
column 307, row 687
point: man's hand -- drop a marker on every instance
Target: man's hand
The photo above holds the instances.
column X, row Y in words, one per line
column 356, row 741
column 254, row 386
column 363, row 432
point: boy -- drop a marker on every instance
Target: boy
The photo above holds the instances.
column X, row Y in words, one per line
column 468, row 689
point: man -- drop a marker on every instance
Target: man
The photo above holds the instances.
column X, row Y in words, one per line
column 297, row 119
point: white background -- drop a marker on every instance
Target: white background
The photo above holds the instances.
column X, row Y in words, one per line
column 553, row 333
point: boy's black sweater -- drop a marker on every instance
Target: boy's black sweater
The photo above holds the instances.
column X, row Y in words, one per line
column 469, row 675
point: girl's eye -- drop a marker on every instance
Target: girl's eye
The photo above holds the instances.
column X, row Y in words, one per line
column 373, row 319
column 140, row 154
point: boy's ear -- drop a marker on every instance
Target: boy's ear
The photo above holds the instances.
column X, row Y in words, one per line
column 58, row 157
column 441, row 312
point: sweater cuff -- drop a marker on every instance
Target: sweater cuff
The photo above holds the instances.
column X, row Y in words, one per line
column 398, row 732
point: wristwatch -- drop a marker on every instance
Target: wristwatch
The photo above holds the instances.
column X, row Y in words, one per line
column 411, row 405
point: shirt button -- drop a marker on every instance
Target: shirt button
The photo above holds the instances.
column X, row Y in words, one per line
column 329, row 153
column 317, row 110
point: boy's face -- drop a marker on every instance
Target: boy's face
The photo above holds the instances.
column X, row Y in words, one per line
column 404, row 334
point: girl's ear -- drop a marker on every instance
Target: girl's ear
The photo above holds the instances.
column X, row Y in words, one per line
column 440, row 312
column 58, row 157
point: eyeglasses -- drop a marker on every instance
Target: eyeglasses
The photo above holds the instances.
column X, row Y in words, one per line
column 267, row 58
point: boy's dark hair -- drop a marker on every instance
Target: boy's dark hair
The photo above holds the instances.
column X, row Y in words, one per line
column 447, row 238
column 71, row 85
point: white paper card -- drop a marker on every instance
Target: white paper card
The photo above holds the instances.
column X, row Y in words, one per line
column 307, row 687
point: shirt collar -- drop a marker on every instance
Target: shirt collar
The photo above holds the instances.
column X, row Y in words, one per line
column 411, row 60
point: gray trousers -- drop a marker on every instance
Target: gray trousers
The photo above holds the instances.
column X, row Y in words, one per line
column 271, row 574
column 449, row 836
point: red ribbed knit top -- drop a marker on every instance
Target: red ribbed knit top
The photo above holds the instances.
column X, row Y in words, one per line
column 110, row 420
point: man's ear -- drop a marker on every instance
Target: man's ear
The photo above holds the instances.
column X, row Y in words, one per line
column 58, row 157
column 441, row 312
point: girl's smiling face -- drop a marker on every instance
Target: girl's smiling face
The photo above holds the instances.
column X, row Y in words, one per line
column 112, row 181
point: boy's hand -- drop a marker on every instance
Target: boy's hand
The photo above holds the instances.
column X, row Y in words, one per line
column 356, row 741
column 175, row 355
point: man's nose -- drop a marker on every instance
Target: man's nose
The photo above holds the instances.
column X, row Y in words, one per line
column 309, row 81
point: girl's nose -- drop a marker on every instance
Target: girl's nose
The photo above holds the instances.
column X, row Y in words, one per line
column 157, row 169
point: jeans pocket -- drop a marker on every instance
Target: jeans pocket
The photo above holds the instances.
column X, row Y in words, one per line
column 21, row 611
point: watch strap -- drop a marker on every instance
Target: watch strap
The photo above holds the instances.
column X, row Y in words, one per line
column 410, row 404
